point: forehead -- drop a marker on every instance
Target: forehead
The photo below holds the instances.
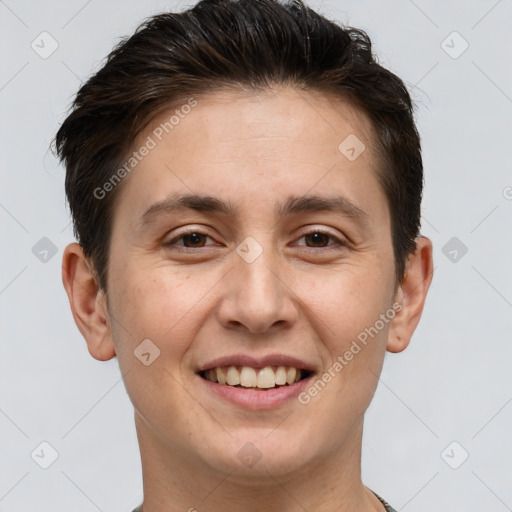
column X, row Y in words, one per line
column 255, row 145
column 269, row 114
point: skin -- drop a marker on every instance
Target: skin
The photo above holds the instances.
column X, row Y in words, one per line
column 303, row 296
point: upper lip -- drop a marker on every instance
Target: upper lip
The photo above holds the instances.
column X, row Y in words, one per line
column 256, row 362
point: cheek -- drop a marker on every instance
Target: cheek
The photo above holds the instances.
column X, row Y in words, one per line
column 154, row 305
column 159, row 304
column 350, row 299
column 349, row 317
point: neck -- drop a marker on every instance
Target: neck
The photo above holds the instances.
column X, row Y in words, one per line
column 176, row 480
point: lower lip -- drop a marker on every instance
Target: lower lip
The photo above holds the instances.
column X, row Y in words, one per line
column 253, row 399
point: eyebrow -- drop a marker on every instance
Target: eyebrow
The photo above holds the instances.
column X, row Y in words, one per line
column 292, row 205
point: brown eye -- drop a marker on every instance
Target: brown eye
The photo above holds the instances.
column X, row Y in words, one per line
column 318, row 238
column 191, row 240
column 195, row 239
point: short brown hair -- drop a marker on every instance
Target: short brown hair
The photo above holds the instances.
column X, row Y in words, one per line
column 216, row 44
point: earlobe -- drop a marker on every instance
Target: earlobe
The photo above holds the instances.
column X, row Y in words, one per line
column 411, row 295
column 88, row 302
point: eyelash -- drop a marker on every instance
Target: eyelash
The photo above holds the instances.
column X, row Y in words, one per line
column 172, row 243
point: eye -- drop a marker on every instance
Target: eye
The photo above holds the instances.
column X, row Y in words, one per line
column 192, row 239
column 195, row 239
column 320, row 237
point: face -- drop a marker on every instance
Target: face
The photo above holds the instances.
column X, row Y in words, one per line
column 267, row 276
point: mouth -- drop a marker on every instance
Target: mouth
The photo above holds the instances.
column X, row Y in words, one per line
column 256, row 383
column 260, row 379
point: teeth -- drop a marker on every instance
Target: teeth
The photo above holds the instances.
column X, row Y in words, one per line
column 266, row 378
column 221, row 378
column 247, row 377
column 233, row 376
column 281, row 376
column 290, row 375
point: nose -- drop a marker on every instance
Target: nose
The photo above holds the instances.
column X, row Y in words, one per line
column 258, row 296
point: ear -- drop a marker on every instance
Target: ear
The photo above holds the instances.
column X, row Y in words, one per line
column 411, row 294
column 88, row 303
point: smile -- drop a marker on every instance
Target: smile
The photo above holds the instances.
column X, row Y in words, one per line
column 255, row 389
column 269, row 377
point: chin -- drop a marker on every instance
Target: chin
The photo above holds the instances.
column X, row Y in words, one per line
column 252, row 458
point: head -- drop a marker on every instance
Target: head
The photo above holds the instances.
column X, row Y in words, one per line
column 245, row 122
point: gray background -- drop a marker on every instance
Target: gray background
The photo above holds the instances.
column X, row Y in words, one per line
column 453, row 383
